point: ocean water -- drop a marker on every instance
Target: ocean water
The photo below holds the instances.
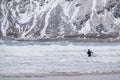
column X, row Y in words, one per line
column 28, row 58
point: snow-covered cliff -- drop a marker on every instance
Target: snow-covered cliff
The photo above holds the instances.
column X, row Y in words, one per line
column 38, row 19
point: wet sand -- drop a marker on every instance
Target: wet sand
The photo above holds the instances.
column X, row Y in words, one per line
column 80, row 77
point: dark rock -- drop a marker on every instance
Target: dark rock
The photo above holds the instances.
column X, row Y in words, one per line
column 100, row 28
column 78, row 25
column 87, row 16
column 110, row 5
column 68, row 0
column 12, row 32
column 77, row 5
column 100, row 11
column 117, row 11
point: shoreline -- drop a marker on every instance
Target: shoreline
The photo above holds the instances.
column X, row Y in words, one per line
column 52, row 74
column 78, row 77
column 66, row 39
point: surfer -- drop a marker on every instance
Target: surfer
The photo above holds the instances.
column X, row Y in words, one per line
column 89, row 53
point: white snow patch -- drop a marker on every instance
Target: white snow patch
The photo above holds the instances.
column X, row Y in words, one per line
column 66, row 8
column 104, row 2
column 117, row 21
column 94, row 5
column 86, row 29
column 24, row 18
column 75, row 13
column 94, row 2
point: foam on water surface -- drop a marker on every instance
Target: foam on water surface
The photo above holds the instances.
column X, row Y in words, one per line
column 57, row 58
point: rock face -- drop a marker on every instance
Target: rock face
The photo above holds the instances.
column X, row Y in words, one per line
column 39, row 19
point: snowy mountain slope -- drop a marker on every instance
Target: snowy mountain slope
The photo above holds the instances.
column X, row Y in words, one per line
column 38, row 19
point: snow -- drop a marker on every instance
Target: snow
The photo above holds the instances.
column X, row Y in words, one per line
column 23, row 18
column 43, row 32
column 75, row 13
column 86, row 29
column 33, row 12
column 38, row 58
column 94, row 5
column 4, row 24
column 66, row 8
column 26, row 32
column 17, row 0
column 94, row 2
column 104, row 1
column 117, row 21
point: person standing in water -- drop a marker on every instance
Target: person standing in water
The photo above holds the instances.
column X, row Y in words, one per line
column 89, row 53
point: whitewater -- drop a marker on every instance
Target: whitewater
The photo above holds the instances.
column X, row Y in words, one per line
column 34, row 58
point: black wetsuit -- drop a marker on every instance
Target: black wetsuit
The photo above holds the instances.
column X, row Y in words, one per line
column 89, row 53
